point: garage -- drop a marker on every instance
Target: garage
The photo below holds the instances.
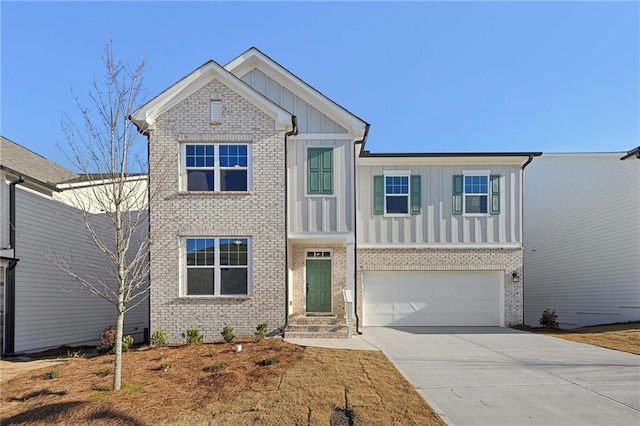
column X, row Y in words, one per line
column 433, row 298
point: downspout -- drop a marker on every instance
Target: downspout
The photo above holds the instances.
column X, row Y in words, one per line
column 292, row 132
column 522, row 232
column 10, row 295
column 355, row 229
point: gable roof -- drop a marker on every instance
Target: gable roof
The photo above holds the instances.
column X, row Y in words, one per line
column 21, row 161
column 145, row 116
column 254, row 58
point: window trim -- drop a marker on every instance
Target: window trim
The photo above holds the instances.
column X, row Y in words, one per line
column 396, row 173
column 184, row 178
column 485, row 173
column 217, row 267
column 333, row 174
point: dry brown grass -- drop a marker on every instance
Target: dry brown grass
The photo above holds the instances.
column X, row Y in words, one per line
column 211, row 384
column 621, row 337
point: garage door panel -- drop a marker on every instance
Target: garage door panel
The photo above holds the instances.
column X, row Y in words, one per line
column 469, row 298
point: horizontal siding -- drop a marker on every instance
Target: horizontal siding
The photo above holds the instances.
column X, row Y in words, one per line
column 436, row 224
column 320, row 213
column 310, row 120
column 582, row 239
column 52, row 309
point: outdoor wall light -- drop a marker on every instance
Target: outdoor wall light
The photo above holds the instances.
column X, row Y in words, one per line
column 515, row 277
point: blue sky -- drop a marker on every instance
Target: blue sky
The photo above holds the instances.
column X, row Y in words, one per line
column 428, row 76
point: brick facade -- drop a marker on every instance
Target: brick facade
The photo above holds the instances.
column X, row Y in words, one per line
column 449, row 259
column 257, row 214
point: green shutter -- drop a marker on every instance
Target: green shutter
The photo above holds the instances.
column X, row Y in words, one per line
column 415, row 194
column 319, row 171
column 458, row 187
column 327, row 171
column 495, row 194
column 313, row 171
column 378, row 194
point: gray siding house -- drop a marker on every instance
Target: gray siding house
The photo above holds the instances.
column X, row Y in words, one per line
column 42, row 306
column 582, row 235
column 270, row 207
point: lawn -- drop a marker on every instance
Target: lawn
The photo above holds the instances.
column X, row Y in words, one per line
column 622, row 337
column 268, row 383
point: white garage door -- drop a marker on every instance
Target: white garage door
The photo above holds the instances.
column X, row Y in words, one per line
column 432, row 298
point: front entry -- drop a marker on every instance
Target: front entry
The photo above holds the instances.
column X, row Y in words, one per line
column 318, row 285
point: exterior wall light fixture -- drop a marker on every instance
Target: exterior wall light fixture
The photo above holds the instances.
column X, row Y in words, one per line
column 515, row 277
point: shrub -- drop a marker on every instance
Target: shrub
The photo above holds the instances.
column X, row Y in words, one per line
column 192, row 335
column 159, row 338
column 164, row 366
column 227, row 333
column 108, row 371
column 52, row 374
column 127, row 343
column 261, row 331
column 548, row 319
column 107, row 341
column 267, row 361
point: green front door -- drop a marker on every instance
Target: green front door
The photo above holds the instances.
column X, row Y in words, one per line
column 319, row 285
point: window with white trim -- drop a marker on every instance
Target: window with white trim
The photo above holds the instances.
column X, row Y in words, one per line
column 396, row 194
column 216, row 167
column 476, row 193
column 217, row 267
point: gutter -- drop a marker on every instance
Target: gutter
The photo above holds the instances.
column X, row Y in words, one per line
column 522, row 280
column 22, row 178
column 292, row 132
column 355, row 226
column 10, row 289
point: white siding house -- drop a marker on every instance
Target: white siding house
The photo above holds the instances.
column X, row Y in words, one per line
column 582, row 238
column 42, row 306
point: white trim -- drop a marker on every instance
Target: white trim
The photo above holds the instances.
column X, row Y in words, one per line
column 480, row 173
column 90, row 183
column 439, row 246
column 454, row 160
column 397, row 173
column 323, row 136
column 216, row 167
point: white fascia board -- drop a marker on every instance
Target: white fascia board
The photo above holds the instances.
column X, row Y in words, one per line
column 146, row 116
column 453, row 160
column 97, row 182
column 256, row 59
column 321, row 237
column 439, row 246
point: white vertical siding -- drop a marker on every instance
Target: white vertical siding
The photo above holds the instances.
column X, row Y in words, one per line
column 330, row 213
column 310, row 120
column 436, row 224
column 50, row 309
column 4, row 212
column 582, row 239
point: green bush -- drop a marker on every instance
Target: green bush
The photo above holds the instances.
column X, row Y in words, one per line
column 548, row 319
column 164, row 366
column 192, row 335
column 52, row 374
column 261, row 331
column 159, row 338
column 227, row 333
column 127, row 343
column 267, row 361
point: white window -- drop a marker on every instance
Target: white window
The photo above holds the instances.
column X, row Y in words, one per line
column 396, row 194
column 216, row 112
column 217, row 267
column 476, row 193
column 216, row 167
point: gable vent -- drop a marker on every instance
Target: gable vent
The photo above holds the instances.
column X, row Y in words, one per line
column 216, row 111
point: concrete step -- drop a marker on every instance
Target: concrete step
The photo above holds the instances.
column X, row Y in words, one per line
column 316, row 327
column 313, row 320
column 314, row 335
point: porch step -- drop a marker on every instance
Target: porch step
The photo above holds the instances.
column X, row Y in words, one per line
column 315, row 335
column 315, row 328
column 315, row 319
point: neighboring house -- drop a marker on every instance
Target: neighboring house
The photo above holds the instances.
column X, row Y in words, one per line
column 582, row 235
column 270, row 208
column 42, row 306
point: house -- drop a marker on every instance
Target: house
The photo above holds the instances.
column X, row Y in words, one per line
column 270, row 207
column 42, row 306
column 582, row 236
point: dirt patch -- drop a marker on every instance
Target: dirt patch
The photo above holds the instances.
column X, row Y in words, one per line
column 270, row 383
column 623, row 337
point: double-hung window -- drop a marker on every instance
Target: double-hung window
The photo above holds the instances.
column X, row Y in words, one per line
column 216, row 167
column 217, row 267
column 397, row 192
column 476, row 193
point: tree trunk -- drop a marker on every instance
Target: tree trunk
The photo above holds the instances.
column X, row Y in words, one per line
column 117, row 363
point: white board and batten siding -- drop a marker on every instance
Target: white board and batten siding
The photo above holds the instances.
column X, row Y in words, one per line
column 582, row 239
column 51, row 309
column 436, row 224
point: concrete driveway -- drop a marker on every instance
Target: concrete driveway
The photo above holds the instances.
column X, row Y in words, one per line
column 499, row 376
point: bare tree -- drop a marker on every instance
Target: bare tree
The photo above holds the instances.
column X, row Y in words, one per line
column 110, row 156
